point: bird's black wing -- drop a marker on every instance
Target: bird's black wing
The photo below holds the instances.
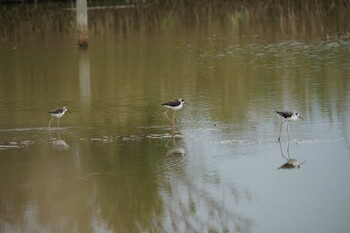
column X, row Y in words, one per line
column 285, row 114
column 56, row 111
column 173, row 103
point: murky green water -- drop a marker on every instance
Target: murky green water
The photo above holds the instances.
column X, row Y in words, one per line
column 113, row 166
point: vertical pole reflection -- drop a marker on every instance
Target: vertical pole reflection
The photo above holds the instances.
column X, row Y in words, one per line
column 84, row 78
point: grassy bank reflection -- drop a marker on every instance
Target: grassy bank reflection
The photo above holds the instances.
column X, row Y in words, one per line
column 249, row 19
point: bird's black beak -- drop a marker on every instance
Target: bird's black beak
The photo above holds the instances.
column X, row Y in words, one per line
column 301, row 118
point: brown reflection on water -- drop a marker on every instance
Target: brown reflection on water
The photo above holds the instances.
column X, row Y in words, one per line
column 37, row 191
column 49, row 190
column 184, row 202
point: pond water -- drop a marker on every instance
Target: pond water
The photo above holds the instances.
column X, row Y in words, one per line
column 114, row 165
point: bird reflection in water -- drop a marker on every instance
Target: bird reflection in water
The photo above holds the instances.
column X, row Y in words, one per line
column 291, row 163
column 58, row 143
column 174, row 149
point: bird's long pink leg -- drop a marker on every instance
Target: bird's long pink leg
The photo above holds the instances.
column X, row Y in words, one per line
column 167, row 116
column 279, row 137
column 174, row 121
column 50, row 122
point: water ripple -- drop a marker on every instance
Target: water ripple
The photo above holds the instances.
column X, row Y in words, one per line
column 32, row 129
column 15, row 145
column 317, row 141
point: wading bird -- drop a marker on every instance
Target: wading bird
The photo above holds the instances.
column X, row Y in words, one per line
column 173, row 105
column 57, row 113
column 288, row 116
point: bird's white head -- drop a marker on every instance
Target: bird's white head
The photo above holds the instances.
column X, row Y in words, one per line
column 297, row 115
column 65, row 109
column 182, row 101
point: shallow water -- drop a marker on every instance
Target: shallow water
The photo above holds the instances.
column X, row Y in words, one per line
column 114, row 165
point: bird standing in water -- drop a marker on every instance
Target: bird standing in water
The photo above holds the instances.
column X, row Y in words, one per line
column 174, row 105
column 288, row 116
column 57, row 113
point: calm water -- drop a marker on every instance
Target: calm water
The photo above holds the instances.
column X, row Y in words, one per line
column 113, row 165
